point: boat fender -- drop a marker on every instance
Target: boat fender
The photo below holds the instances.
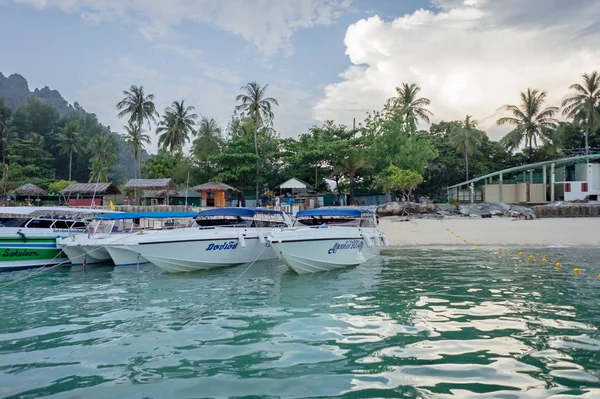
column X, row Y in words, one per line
column 242, row 240
column 261, row 238
column 368, row 240
column 377, row 240
column 386, row 242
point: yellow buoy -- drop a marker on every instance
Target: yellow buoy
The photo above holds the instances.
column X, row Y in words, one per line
column 475, row 245
column 520, row 253
column 508, row 251
column 576, row 271
column 464, row 240
column 599, row 277
column 557, row 264
column 531, row 257
column 544, row 260
column 499, row 249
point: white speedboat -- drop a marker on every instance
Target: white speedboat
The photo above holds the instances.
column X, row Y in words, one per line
column 28, row 234
column 102, row 243
column 327, row 239
column 225, row 237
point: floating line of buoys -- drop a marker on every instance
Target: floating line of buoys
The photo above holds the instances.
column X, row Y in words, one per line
column 521, row 254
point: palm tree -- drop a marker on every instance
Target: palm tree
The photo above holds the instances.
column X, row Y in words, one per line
column 104, row 147
column 350, row 165
column 208, row 140
column 259, row 108
column 466, row 138
column 584, row 106
column 136, row 138
column 98, row 170
column 176, row 127
column 69, row 141
column 412, row 107
column 139, row 106
column 532, row 122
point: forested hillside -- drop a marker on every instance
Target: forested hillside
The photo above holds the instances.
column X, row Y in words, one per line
column 40, row 131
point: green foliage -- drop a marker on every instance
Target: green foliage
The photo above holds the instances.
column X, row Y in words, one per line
column 583, row 107
column 467, row 139
column 176, row 127
column 395, row 179
column 59, row 185
column 413, row 109
column 208, row 144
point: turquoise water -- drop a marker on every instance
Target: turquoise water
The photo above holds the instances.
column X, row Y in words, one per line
column 417, row 323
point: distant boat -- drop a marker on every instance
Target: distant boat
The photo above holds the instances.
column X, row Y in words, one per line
column 28, row 234
column 328, row 239
column 224, row 237
column 102, row 243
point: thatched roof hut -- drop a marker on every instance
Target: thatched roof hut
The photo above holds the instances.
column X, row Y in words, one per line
column 99, row 189
column 160, row 193
column 213, row 186
column 28, row 189
column 150, row 184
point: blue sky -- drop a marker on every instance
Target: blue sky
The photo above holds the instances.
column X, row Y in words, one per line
column 323, row 59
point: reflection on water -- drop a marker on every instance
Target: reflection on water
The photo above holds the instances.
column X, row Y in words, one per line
column 417, row 323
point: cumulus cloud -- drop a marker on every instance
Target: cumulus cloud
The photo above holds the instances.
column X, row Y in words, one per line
column 268, row 24
column 469, row 57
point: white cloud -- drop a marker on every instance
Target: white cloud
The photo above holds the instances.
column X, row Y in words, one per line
column 469, row 57
column 268, row 24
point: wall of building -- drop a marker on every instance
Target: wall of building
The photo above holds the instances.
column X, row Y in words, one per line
column 575, row 193
column 537, row 193
column 581, row 172
column 492, row 193
column 594, row 177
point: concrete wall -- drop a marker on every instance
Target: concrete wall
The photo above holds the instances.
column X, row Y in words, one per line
column 594, row 178
column 537, row 193
column 522, row 192
column 575, row 193
column 492, row 193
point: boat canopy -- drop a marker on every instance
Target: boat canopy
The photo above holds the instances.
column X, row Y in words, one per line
column 35, row 210
column 239, row 212
column 334, row 212
column 146, row 215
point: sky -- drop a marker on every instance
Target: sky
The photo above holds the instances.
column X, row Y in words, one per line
column 323, row 59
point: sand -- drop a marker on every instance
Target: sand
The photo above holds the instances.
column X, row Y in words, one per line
column 492, row 232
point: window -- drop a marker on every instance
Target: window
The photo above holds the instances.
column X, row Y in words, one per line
column 584, row 187
column 567, row 187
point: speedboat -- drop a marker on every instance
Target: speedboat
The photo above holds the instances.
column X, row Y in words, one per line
column 104, row 235
column 28, row 234
column 327, row 239
column 223, row 237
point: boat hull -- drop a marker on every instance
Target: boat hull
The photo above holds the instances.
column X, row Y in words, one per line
column 17, row 253
column 307, row 251
column 123, row 256
column 207, row 250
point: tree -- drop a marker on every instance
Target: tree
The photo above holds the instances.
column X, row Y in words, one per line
column 98, row 170
column 104, row 147
column 139, row 106
column 401, row 180
column 259, row 108
column 70, row 142
column 135, row 138
column 583, row 107
column 412, row 108
column 6, row 129
column 532, row 122
column 466, row 138
column 176, row 127
column 356, row 160
column 208, row 143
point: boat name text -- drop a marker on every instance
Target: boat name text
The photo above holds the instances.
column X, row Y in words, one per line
column 18, row 253
column 350, row 244
column 222, row 247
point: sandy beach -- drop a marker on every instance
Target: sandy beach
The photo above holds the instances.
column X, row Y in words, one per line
column 492, row 232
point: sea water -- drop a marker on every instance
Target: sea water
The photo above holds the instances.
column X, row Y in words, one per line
column 476, row 323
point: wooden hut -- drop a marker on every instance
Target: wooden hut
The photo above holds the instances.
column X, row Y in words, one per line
column 28, row 190
column 213, row 193
column 166, row 185
column 88, row 194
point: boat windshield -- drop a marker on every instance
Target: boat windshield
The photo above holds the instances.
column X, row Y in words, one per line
column 259, row 220
column 114, row 226
column 13, row 222
column 366, row 220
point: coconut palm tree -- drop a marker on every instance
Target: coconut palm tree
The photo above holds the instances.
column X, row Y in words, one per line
column 104, row 147
column 176, row 127
column 412, row 107
column 69, row 141
column 136, row 139
column 98, row 170
column 584, row 105
column 532, row 123
column 209, row 140
column 139, row 106
column 466, row 138
column 255, row 105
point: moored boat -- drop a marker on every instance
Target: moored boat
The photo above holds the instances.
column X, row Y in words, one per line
column 328, row 239
column 28, row 234
column 224, row 237
column 102, row 243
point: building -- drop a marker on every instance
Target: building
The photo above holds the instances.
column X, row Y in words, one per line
column 565, row 179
